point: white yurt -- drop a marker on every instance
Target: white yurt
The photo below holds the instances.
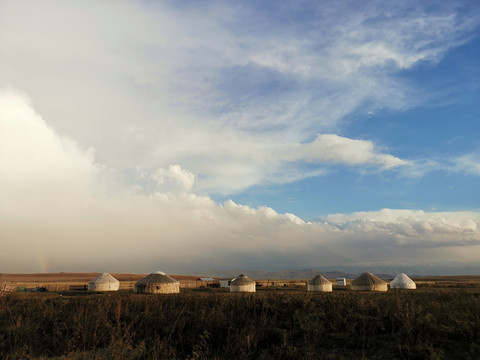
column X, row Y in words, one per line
column 104, row 282
column 402, row 281
column 368, row 282
column 242, row 284
column 157, row 283
column 319, row 283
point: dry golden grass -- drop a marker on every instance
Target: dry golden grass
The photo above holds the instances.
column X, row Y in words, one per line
column 62, row 281
column 290, row 323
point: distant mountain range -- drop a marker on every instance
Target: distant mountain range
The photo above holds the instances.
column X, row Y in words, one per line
column 384, row 271
column 287, row 274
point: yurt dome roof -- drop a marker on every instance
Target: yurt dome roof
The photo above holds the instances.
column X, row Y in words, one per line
column 242, row 280
column 367, row 279
column 402, row 280
column 319, row 280
column 104, row 278
column 158, row 277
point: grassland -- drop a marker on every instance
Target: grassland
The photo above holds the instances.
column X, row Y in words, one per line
column 62, row 281
column 433, row 322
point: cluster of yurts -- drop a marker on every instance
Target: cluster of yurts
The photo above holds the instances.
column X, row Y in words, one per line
column 161, row 283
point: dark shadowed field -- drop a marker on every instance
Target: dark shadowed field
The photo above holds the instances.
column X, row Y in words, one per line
column 439, row 320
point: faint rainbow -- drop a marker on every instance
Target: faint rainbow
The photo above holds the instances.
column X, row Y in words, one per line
column 42, row 261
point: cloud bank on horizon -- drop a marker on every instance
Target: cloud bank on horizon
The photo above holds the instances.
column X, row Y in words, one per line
column 141, row 135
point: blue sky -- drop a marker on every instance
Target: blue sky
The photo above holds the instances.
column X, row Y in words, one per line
column 445, row 125
column 314, row 134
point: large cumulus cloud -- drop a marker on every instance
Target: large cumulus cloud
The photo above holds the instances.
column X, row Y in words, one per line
column 58, row 201
column 127, row 119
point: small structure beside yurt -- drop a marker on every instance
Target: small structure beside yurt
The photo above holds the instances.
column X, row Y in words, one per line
column 242, row 284
column 225, row 283
column 319, row 283
column 341, row 281
column 157, row 283
column 368, row 282
column 104, row 282
column 402, row 281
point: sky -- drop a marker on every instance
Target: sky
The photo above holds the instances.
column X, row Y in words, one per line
column 138, row 136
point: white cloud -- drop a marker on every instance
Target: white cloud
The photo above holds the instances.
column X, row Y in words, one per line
column 468, row 163
column 414, row 227
column 174, row 177
column 36, row 163
column 338, row 149
column 403, row 41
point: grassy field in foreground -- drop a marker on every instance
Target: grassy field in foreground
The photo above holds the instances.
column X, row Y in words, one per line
column 430, row 323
